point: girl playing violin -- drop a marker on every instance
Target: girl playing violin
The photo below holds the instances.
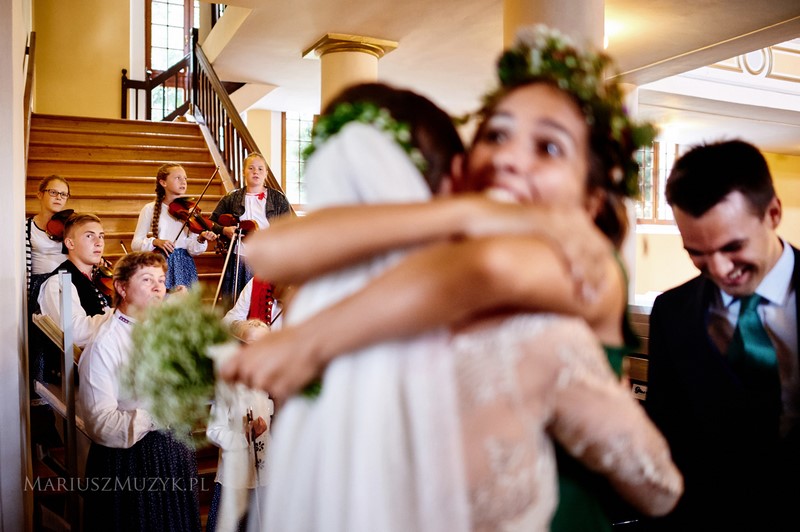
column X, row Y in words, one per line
column 158, row 229
column 43, row 251
column 256, row 202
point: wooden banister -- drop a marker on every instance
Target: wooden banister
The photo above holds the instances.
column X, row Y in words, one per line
column 211, row 106
column 30, row 53
column 177, row 76
column 217, row 111
column 51, row 329
column 64, row 401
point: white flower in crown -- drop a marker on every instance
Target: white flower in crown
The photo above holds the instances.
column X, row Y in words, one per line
column 542, row 53
column 366, row 113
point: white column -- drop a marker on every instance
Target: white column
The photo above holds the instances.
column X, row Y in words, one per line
column 628, row 248
column 582, row 20
column 347, row 60
column 16, row 502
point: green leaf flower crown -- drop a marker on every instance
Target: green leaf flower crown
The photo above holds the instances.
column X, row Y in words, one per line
column 366, row 113
column 547, row 54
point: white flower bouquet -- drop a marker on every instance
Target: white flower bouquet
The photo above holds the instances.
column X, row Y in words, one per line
column 169, row 366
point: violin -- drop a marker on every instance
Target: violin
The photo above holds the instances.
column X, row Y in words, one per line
column 188, row 211
column 245, row 226
column 103, row 277
column 229, row 220
column 55, row 226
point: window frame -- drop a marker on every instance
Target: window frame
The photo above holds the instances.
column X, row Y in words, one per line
column 659, row 177
column 297, row 202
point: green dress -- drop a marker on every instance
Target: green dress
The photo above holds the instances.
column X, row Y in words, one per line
column 586, row 502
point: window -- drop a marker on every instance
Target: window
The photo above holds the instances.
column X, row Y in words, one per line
column 655, row 164
column 168, row 32
column 296, row 136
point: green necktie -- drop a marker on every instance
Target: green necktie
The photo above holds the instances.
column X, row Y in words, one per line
column 751, row 352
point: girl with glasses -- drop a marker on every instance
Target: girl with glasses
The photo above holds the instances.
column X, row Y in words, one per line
column 44, row 251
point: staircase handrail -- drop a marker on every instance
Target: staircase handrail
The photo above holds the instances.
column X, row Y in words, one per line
column 64, row 403
column 214, row 108
column 30, row 53
column 210, row 105
column 181, row 68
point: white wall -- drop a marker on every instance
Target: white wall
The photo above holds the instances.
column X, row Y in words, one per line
column 14, row 462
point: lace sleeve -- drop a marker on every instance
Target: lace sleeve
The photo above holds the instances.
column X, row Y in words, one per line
column 597, row 420
column 531, row 379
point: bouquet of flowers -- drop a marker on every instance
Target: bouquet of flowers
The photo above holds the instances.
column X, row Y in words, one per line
column 169, row 366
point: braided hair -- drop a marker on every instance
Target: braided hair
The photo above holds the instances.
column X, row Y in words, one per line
column 161, row 193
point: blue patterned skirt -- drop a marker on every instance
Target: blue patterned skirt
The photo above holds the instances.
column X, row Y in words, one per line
column 151, row 486
column 180, row 269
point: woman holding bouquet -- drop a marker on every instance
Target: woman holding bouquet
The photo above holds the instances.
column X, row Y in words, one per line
column 139, row 477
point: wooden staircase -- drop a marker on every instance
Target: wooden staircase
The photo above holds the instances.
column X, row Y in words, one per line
column 111, row 167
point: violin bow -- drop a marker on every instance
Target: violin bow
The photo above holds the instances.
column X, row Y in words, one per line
column 196, row 203
column 222, row 275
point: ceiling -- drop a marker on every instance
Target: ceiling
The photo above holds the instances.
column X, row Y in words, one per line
column 447, row 50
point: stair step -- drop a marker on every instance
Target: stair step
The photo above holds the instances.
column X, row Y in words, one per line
column 71, row 151
column 98, row 136
column 125, row 202
column 52, row 521
column 112, row 124
column 124, row 185
column 126, row 167
column 194, row 173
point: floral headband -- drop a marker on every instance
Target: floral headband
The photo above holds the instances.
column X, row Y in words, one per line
column 366, row 113
column 547, row 54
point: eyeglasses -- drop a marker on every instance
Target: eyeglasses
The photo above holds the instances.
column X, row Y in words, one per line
column 53, row 193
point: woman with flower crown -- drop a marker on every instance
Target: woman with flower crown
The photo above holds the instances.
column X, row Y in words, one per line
column 509, row 455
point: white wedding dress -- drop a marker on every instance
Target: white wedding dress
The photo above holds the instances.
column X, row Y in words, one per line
column 446, row 431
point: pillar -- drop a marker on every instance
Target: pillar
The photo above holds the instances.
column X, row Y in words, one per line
column 347, row 60
column 628, row 248
column 582, row 20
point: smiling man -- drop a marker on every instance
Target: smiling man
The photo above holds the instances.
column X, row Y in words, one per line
column 723, row 374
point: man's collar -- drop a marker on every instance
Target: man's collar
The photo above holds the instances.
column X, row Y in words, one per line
column 774, row 287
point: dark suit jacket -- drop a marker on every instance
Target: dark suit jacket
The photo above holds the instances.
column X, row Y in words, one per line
column 737, row 471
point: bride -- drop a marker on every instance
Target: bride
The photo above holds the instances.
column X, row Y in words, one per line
column 454, row 429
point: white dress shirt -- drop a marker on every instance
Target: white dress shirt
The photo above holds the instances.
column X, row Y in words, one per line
column 168, row 228
column 255, row 209
column 112, row 416
column 83, row 327
column 226, row 431
column 46, row 254
column 779, row 317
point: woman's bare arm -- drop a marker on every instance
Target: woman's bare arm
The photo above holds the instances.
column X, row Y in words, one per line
column 293, row 250
column 444, row 284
